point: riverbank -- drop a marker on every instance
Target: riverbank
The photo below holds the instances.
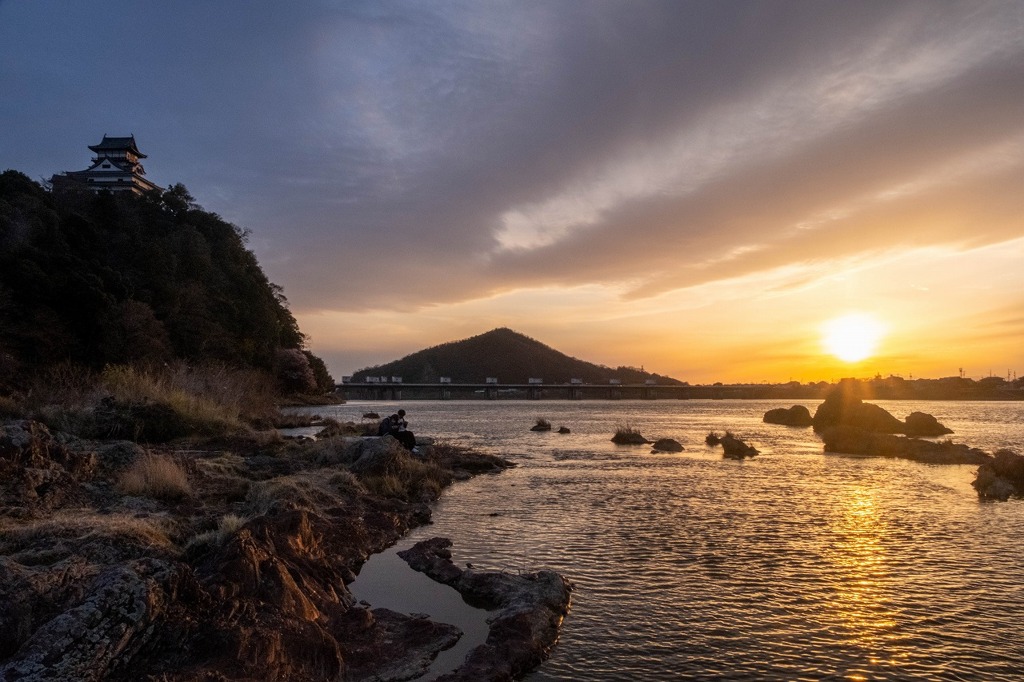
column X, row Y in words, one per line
column 218, row 559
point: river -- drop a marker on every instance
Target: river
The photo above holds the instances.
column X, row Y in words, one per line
column 793, row 565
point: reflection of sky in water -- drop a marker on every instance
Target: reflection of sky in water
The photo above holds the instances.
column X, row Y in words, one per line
column 386, row 581
column 792, row 565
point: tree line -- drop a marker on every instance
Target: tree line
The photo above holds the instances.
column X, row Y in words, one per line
column 94, row 280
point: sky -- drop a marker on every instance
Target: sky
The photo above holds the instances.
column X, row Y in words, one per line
column 697, row 188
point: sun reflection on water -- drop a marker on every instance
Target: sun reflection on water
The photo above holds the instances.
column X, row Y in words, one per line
column 863, row 581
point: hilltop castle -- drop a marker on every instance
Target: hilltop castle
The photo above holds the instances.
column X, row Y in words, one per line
column 115, row 168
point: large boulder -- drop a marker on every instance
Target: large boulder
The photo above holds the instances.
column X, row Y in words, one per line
column 1001, row 478
column 924, row 425
column 798, row 415
column 844, row 407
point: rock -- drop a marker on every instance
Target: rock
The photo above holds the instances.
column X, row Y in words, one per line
column 844, row 407
column 798, row 415
column 530, row 611
column 667, row 445
column 371, row 415
column 100, row 635
column 629, row 436
column 922, row 424
column 541, row 425
column 563, row 429
column 39, row 472
column 413, row 642
column 1000, row 478
column 851, row 440
column 734, row 448
column 712, row 439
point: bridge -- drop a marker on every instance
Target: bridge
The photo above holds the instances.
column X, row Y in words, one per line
column 533, row 390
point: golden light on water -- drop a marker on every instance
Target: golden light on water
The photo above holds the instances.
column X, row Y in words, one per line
column 852, row 337
column 859, row 561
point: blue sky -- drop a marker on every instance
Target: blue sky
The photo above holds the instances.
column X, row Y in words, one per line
column 692, row 186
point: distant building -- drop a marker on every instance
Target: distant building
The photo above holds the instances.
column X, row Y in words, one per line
column 115, row 168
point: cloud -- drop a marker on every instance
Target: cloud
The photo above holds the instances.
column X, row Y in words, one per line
column 394, row 155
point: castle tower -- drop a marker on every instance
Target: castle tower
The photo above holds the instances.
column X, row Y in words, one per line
column 115, row 168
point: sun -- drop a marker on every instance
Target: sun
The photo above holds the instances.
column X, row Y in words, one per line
column 852, row 337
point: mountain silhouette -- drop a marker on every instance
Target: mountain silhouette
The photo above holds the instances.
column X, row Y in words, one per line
column 507, row 355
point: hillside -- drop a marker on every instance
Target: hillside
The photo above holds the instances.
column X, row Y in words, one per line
column 507, row 355
column 92, row 280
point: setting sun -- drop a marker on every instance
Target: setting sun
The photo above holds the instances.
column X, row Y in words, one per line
column 852, row 337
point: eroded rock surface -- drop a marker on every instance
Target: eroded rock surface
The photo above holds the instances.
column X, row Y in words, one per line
column 244, row 578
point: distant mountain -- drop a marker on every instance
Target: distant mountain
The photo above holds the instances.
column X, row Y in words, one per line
column 507, row 355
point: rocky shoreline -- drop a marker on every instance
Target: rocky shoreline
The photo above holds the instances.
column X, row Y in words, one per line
column 231, row 564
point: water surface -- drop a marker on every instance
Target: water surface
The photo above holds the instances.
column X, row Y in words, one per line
column 794, row 565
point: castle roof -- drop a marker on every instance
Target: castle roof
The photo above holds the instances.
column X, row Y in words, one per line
column 109, row 144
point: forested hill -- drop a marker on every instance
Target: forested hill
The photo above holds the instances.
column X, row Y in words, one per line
column 507, row 355
column 95, row 280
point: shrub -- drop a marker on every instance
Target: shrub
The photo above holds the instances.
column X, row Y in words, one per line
column 391, row 472
column 226, row 527
column 158, row 477
column 626, row 434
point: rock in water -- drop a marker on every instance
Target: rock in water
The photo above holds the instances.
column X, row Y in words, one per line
column 734, row 448
column 1001, row 478
column 530, row 610
column 798, row 415
column 924, row 425
column 667, row 445
column 856, row 441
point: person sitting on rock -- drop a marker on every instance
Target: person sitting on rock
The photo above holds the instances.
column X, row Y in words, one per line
column 388, row 426
column 402, row 432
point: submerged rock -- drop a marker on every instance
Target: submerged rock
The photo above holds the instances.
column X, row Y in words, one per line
column 530, row 611
column 798, row 415
column 1001, row 478
column 563, row 429
column 667, row 445
column 854, row 441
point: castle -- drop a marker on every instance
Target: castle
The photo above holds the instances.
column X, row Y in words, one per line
column 115, row 168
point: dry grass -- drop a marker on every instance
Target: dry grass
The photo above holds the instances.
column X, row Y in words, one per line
column 307, row 490
column 86, row 533
column 226, row 527
column 211, row 399
column 408, row 479
column 201, row 395
column 158, row 477
column 626, row 434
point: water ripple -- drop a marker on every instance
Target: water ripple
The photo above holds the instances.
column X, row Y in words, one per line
column 796, row 565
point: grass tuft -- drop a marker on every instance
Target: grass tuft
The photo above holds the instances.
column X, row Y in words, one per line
column 158, row 477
